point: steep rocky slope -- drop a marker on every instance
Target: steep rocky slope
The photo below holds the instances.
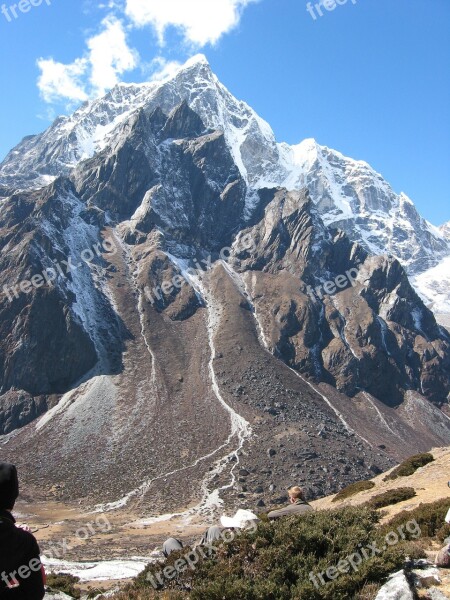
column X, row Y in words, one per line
column 349, row 193
column 192, row 329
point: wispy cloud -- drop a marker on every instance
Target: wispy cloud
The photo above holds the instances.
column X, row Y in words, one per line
column 108, row 54
column 161, row 69
column 107, row 57
column 58, row 81
column 200, row 21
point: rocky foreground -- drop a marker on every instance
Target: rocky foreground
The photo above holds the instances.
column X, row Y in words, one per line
column 410, row 537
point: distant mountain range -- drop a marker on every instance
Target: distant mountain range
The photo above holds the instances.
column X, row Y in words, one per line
column 188, row 302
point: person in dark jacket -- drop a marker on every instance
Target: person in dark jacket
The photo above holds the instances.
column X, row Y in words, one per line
column 297, row 505
column 21, row 572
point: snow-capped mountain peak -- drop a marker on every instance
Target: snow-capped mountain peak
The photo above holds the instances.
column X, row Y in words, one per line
column 158, row 179
column 349, row 193
column 37, row 159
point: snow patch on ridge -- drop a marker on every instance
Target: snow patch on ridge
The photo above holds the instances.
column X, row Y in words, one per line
column 80, row 236
column 349, row 194
column 433, row 286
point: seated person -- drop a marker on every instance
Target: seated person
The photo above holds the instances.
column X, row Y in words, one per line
column 297, row 505
column 21, row 572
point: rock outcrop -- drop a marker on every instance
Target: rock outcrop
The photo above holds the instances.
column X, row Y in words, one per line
column 187, row 316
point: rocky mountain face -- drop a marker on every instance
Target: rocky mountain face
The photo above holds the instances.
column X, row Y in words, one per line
column 349, row 194
column 175, row 312
column 353, row 197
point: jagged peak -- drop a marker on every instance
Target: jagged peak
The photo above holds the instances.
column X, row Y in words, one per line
column 122, row 91
column 196, row 68
column 183, row 122
column 312, row 147
column 307, row 145
column 194, row 62
column 197, row 59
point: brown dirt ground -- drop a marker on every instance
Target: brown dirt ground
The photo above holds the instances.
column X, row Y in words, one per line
column 53, row 521
column 429, row 482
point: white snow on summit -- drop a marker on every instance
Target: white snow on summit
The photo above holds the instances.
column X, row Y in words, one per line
column 349, row 194
column 444, row 230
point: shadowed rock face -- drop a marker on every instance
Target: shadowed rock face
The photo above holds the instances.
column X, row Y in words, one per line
column 43, row 348
column 51, row 334
column 280, row 360
column 359, row 336
column 187, row 186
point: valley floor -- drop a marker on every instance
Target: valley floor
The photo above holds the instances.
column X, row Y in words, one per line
column 118, row 544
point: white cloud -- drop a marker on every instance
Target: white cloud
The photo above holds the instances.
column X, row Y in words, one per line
column 58, row 81
column 163, row 69
column 201, row 21
column 108, row 56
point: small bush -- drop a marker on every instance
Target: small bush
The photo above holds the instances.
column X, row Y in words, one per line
column 63, row 582
column 391, row 497
column 276, row 561
column 354, row 488
column 430, row 518
column 410, row 466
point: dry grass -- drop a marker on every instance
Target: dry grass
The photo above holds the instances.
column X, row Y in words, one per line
column 369, row 592
column 429, row 483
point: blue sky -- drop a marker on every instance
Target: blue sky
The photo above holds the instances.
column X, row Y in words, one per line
column 369, row 78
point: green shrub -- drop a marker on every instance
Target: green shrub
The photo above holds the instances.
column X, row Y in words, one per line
column 429, row 517
column 410, row 466
column 354, row 488
column 276, row 561
column 63, row 582
column 391, row 497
